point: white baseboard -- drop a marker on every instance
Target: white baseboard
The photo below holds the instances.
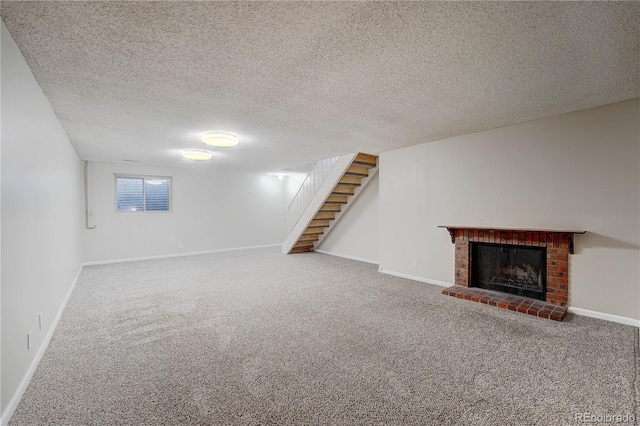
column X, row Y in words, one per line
column 359, row 259
column 415, row 278
column 166, row 256
column 24, row 383
column 607, row 317
column 577, row 311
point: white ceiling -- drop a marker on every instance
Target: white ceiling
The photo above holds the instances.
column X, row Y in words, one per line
column 299, row 82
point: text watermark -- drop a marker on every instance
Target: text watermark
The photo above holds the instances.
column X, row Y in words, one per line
column 603, row 418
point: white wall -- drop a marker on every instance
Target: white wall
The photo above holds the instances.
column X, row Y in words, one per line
column 41, row 218
column 356, row 235
column 210, row 211
column 575, row 171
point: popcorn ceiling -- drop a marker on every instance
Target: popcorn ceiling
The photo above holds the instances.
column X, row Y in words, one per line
column 298, row 82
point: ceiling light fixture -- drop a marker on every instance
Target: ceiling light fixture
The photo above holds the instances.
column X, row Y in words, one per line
column 220, row 139
column 279, row 175
column 196, row 154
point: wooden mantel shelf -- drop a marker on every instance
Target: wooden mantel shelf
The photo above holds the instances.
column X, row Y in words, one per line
column 499, row 228
column 569, row 232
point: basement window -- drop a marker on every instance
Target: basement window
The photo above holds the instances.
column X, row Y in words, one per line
column 142, row 194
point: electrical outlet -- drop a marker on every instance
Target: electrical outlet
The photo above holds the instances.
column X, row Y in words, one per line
column 28, row 340
column 40, row 320
column 415, row 263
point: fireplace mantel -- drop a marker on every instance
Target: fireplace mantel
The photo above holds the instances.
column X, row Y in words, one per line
column 569, row 232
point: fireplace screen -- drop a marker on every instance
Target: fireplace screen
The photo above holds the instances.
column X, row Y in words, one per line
column 510, row 269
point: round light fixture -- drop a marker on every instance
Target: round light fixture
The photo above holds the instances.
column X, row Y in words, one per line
column 196, row 154
column 220, row 139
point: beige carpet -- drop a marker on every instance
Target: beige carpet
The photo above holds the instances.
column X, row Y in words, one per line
column 255, row 337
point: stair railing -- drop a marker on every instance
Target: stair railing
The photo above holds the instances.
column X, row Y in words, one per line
column 314, row 180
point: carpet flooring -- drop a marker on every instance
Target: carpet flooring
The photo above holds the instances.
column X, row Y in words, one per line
column 255, row 337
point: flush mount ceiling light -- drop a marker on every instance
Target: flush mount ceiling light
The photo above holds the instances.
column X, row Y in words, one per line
column 220, row 139
column 196, row 154
column 279, row 175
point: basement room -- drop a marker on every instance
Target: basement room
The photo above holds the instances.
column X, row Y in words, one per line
column 328, row 213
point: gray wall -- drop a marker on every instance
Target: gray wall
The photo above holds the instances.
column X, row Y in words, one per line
column 573, row 171
column 210, row 211
column 41, row 218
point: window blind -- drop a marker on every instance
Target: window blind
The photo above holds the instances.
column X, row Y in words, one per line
column 142, row 194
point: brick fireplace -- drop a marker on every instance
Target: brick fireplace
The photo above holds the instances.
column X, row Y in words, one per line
column 555, row 245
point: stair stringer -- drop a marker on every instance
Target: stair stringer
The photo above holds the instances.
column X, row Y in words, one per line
column 345, row 207
column 338, row 170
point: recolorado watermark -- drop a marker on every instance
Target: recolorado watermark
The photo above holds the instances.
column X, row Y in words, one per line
column 603, row 418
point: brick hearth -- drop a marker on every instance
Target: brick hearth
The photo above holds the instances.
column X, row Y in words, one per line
column 537, row 308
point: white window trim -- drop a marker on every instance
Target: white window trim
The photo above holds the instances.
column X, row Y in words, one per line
column 144, row 195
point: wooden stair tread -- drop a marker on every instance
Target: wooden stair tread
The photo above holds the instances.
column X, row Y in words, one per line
column 350, row 180
column 355, row 170
column 365, row 160
column 337, row 199
column 318, row 224
column 300, row 250
column 304, row 244
column 309, row 237
column 327, row 207
column 325, row 215
column 343, row 189
column 313, row 231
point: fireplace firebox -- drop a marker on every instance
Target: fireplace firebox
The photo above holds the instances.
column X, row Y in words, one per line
column 509, row 269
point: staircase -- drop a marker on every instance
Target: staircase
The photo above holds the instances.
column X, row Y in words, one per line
column 341, row 187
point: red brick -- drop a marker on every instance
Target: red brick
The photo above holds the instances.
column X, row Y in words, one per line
column 558, row 301
column 556, row 280
column 558, row 314
column 542, row 239
column 512, row 306
column 557, row 256
column 533, row 310
column 544, row 314
column 561, row 286
column 524, row 307
column 558, row 292
column 556, row 274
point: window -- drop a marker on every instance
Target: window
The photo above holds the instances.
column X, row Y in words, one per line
column 142, row 193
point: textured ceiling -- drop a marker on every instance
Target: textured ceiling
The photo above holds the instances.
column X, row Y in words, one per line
column 303, row 81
